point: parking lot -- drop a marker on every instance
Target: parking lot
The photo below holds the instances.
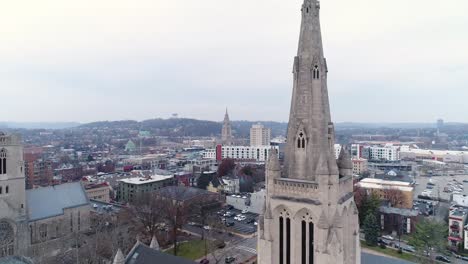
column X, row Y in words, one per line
column 440, row 183
column 242, row 227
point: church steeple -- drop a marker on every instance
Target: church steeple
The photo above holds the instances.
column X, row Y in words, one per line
column 226, row 133
column 310, row 141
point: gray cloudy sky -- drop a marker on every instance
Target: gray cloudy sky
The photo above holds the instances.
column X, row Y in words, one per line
column 88, row 60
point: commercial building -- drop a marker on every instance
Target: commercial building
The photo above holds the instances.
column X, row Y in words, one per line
column 359, row 166
column 38, row 171
column 99, row 192
column 446, row 156
column 260, row 135
column 457, row 222
column 384, row 188
column 129, row 189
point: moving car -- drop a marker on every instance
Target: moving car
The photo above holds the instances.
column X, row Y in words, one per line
column 443, row 259
column 229, row 260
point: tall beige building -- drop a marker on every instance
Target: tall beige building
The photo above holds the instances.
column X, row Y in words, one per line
column 260, row 135
column 310, row 215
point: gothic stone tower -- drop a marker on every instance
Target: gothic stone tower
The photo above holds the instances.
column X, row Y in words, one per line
column 226, row 133
column 14, row 238
column 310, row 215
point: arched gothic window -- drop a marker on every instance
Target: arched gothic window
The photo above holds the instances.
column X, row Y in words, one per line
column 316, row 72
column 301, row 140
column 3, row 159
column 284, row 237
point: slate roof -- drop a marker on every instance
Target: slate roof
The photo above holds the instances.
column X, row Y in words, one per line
column 142, row 254
column 51, row 201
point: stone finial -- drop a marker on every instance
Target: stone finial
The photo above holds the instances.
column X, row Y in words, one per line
column 273, row 161
column 154, row 243
column 119, row 258
column 344, row 160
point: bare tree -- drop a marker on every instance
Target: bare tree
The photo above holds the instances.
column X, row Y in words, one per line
column 174, row 210
column 394, row 196
column 147, row 209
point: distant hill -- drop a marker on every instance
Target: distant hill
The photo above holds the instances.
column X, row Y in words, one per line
column 186, row 127
column 39, row 125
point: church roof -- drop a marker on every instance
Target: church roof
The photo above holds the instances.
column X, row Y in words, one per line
column 53, row 200
column 142, row 254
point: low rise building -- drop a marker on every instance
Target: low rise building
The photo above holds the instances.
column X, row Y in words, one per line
column 385, row 188
column 457, row 222
column 99, row 192
column 129, row 189
column 359, row 166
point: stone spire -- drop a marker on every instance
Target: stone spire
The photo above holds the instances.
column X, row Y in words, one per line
column 309, row 151
column 154, row 243
column 119, row 258
column 226, row 133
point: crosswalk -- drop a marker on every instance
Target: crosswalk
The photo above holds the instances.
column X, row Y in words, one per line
column 250, row 250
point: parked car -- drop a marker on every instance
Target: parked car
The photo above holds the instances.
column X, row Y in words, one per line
column 229, row 260
column 245, row 211
column 388, row 237
column 443, row 259
column 384, row 242
column 228, row 223
column 229, row 207
column 220, row 244
column 250, row 221
column 204, row 261
column 464, row 258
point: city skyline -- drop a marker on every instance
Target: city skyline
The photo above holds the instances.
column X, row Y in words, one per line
column 115, row 61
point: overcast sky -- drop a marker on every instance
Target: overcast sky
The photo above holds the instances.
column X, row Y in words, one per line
column 88, row 60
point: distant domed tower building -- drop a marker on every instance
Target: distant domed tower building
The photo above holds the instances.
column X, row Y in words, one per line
column 310, row 216
column 226, row 133
column 14, row 239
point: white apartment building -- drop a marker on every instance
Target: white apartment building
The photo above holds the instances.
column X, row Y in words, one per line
column 337, row 150
column 387, row 153
column 258, row 153
column 260, row 135
column 209, row 154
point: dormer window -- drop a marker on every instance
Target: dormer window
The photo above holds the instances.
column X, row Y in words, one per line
column 316, row 72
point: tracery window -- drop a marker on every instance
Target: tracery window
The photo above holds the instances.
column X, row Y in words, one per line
column 301, row 140
column 3, row 159
column 7, row 239
column 316, row 72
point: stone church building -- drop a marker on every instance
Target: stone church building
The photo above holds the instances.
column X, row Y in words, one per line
column 29, row 219
column 310, row 215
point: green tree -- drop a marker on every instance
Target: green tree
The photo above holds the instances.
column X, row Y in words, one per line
column 429, row 235
column 371, row 230
column 367, row 203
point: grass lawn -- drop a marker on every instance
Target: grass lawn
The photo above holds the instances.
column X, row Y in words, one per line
column 392, row 252
column 193, row 250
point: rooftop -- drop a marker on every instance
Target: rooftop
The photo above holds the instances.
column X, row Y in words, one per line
column 142, row 254
column 145, row 180
column 51, row 201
